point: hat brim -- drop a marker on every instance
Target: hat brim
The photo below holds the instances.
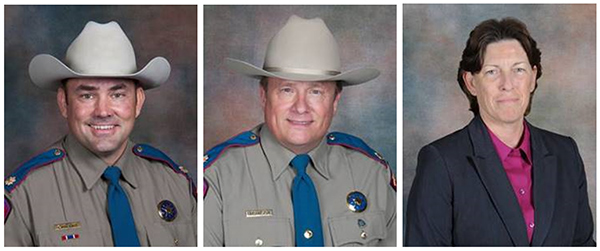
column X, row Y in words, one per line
column 47, row 72
column 352, row 77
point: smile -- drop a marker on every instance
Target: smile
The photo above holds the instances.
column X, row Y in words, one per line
column 102, row 127
column 299, row 122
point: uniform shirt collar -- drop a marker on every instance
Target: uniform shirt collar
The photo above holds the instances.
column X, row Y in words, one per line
column 90, row 167
column 503, row 150
column 279, row 157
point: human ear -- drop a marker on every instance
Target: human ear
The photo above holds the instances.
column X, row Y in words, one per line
column 336, row 100
column 140, row 98
column 469, row 82
column 533, row 77
column 263, row 95
column 61, row 99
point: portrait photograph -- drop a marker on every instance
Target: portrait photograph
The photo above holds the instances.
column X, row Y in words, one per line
column 485, row 161
column 285, row 83
column 100, row 99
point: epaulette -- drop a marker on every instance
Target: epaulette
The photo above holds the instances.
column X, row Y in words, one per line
column 241, row 140
column 355, row 143
column 151, row 153
column 21, row 173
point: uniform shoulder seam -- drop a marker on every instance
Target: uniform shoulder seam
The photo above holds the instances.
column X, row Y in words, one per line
column 22, row 172
column 357, row 144
column 151, row 153
column 244, row 139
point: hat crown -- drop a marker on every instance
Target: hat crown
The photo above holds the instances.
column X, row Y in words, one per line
column 101, row 49
column 303, row 44
column 303, row 50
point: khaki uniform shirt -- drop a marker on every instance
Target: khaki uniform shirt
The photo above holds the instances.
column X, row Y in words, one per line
column 248, row 202
column 69, row 198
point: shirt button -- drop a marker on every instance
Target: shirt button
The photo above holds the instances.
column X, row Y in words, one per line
column 363, row 235
column 308, row 234
column 258, row 242
column 522, row 191
column 531, row 225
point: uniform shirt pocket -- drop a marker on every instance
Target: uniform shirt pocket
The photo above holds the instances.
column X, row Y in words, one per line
column 168, row 235
column 70, row 237
column 358, row 229
column 261, row 231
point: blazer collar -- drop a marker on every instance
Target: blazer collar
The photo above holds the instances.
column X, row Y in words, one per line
column 493, row 176
column 544, row 185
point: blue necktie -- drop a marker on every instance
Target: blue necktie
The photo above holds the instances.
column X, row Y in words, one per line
column 307, row 215
column 119, row 211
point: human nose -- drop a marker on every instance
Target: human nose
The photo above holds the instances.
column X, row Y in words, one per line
column 300, row 104
column 506, row 81
column 102, row 108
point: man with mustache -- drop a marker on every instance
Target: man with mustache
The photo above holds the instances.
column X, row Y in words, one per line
column 288, row 182
column 95, row 187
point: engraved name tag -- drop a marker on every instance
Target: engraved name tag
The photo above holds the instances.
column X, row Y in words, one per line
column 68, row 225
column 259, row 213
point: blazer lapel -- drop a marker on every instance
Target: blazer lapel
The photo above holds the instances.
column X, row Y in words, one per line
column 544, row 186
column 492, row 175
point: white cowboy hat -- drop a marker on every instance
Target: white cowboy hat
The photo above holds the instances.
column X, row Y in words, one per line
column 303, row 50
column 100, row 50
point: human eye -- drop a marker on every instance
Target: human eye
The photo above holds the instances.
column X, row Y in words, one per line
column 118, row 95
column 86, row 96
column 491, row 72
column 316, row 92
column 286, row 90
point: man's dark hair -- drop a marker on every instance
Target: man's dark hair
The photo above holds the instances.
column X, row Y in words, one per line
column 491, row 31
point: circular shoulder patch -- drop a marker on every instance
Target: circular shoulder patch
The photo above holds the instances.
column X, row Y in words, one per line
column 167, row 210
column 356, row 201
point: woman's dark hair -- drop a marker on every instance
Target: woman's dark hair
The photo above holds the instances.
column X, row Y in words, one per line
column 491, row 31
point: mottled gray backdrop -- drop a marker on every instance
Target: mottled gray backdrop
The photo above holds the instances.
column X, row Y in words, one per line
column 565, row 101
column 169, row 118
column 366, row 36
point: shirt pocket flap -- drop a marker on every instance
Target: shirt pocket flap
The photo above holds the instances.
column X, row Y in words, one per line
column 357, row 229
column 261, row 231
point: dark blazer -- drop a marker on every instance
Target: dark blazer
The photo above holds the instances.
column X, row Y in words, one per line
column 461, row 195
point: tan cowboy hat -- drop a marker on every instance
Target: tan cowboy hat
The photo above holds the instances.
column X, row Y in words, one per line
column 303, row 50
column 100, row 50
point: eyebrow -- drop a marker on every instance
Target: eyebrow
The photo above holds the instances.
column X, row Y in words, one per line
column 117, row 87
column 318, row 84
column 311, row 84
column 86, row 88
column 495, row 65
column 521, row 62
